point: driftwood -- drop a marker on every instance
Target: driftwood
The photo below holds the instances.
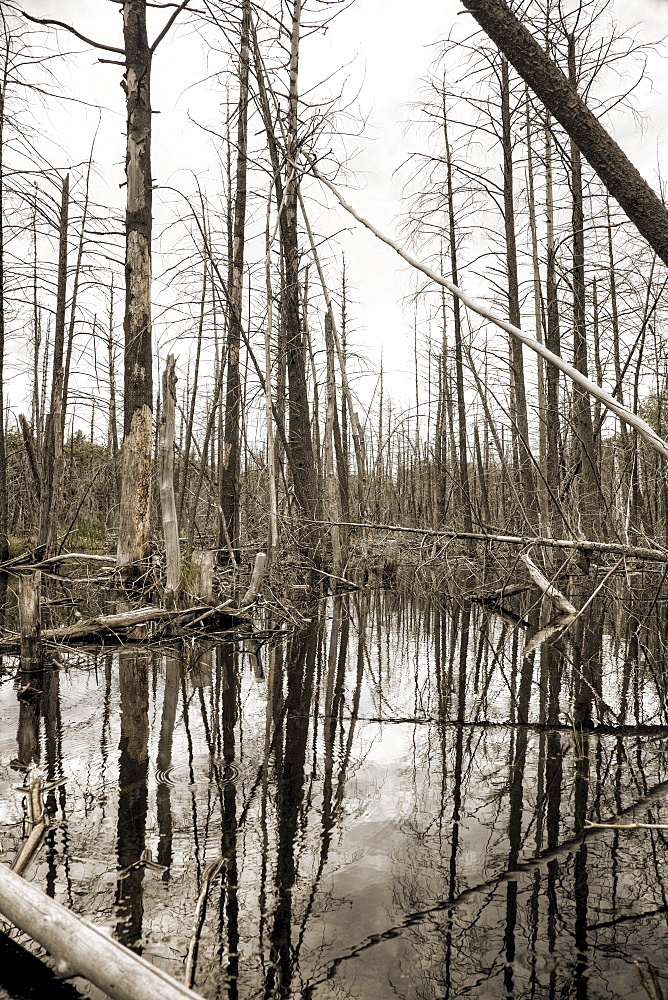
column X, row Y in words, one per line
column 80, row 948
column 104, row 625
column 22, row 561
column 39, row 822
column 561, row 603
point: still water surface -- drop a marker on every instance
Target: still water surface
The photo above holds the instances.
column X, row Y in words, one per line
column 392, row 802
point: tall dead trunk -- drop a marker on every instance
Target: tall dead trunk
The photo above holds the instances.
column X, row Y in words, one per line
column 135, row 508
column 301, row 459
column 459, row 362
column 625, row 460
column 519, row 403
column 193, row 400
column 170, row 524
column 584, row 455
column 330, row 480
column 538, row 326
column 230, row 471
column 299, row 436
column 272, row 537
column 52, row 451
column 553, row 467
column 112, row 429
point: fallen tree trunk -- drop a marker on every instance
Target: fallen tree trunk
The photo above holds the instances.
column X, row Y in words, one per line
column 624, row 182
column 580, row 545
column 113, row 624
column 81, row 949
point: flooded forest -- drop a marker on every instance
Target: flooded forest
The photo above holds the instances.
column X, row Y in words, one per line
column 332, row 647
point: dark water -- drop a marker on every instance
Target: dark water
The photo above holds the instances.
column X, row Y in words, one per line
column 397, row 800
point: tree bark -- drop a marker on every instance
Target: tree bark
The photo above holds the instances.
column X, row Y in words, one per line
column 459, row 364
column 230, row 472
column 583, row 457
column 170, row 524
column 135, row 508
column 518, row 395
column 299, row 436
column 624, row 182
column 52, row 455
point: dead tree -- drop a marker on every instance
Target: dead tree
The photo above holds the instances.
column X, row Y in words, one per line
column 643, row 207
column 230, row 473
column 135, row 508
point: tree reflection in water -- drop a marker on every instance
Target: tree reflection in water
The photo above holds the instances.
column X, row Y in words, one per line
column 397, row 799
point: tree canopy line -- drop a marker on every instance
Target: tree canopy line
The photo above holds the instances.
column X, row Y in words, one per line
column 256, row 437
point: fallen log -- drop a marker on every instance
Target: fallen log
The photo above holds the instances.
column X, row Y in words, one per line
column 112, row 625
column 22, row 561
column 82, row 949
column 577, row 544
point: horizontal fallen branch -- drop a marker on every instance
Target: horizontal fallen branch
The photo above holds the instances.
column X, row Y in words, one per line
column 577, row 544
column 124, row 620
column 22, row 561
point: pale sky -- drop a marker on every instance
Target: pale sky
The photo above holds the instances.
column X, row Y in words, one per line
column 382, row 52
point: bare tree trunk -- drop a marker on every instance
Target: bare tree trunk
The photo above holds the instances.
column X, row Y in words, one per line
column 301, row 446
column 538, row 325
column 230, row 472
column 29, row 620
column 272, row 539
column 518, row 396
column 75, row 288
column 301, row 457
column 559, row 96
column 193, row 401
column 134, row 528
column 357, row 433
column 582, row 422
column 331, row 491
column 170, row 524
column 459, row 364
column 52, row 452
column 625, row 460
column 4, row 510
column 554, row 459
column 112, row 431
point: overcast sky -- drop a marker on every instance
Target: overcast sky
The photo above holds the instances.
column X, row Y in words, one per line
column 383, row 49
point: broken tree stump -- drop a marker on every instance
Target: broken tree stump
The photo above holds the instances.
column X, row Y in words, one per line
column 29, row 621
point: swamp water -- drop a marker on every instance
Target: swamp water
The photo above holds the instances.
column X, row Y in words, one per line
column 392, row 802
